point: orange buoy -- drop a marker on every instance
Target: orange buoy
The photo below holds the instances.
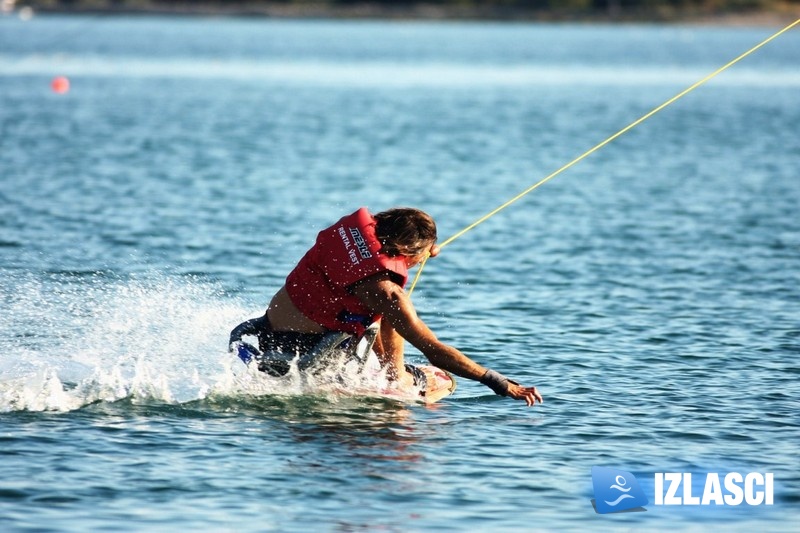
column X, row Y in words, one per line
column 60, row 85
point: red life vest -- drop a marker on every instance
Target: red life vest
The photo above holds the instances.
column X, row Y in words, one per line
column 344, row 254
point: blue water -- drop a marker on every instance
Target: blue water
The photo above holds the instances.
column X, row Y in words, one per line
column 652, row 292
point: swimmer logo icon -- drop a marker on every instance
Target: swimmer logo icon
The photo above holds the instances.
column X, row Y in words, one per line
column 616, row 490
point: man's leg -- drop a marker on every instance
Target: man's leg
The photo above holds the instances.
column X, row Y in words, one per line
column 389, row 348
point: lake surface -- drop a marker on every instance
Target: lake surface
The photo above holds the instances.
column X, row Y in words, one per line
column 652, row 292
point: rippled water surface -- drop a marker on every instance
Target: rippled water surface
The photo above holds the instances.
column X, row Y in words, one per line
column 652, row 291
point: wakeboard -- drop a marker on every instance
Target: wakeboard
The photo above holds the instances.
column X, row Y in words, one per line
column 438, row 383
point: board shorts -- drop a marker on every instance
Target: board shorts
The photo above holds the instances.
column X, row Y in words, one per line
column 269, row 340
column 288, row 344
column 311, row 351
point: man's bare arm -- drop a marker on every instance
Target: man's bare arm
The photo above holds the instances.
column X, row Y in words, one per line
column 381, row 295
column 385, row 297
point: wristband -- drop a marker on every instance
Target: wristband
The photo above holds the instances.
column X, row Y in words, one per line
column 496, row 381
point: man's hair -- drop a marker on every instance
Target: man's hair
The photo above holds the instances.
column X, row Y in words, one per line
column 405, row 231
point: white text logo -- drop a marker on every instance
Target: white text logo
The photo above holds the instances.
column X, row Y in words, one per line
column 675, row 488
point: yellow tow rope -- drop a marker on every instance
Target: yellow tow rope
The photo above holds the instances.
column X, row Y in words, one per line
column 602, row 144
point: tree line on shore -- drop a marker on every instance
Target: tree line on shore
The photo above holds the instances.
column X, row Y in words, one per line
column 555, row 8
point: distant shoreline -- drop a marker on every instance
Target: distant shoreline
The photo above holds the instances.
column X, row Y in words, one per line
column 427, row 12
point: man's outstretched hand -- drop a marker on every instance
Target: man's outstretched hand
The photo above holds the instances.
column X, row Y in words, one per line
column 519, row 392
